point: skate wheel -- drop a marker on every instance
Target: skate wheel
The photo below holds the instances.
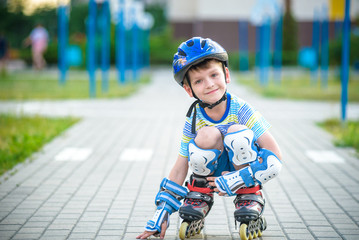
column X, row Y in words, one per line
column 255, row 234
column 244, row 232
column 183, row 230
column 262, row 226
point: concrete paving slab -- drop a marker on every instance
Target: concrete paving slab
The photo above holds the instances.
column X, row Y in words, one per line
column 107, row 196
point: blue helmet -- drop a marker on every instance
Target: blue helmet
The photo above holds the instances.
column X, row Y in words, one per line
column 194, row 51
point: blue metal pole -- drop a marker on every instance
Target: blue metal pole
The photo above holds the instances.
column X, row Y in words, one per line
column 345, row 60
column 277, row 58
column 243, row 45
column 134, row 47
column 122, row 43
column 91, row 53
column 62, row 42
column 264, row 52
column 105, row 46
column 117, row 47
column 258, row 59
column 146, row 48
column 315, row 45
column 324, row 49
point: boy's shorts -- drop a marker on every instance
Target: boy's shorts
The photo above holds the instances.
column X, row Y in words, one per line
column 224, row 164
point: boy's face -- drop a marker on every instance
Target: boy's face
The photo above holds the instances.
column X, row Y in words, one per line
column 208, row 84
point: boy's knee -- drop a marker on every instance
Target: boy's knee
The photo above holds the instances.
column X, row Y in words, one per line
column 209, row 138
column 236, row 128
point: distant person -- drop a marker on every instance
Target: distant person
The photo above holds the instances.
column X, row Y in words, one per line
column 3, row 53
column 38, row 39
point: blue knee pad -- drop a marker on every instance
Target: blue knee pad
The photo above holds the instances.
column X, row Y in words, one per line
column 168, row 201
column 202, row 162
column 241, row 146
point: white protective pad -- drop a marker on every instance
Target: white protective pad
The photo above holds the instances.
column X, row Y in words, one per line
column 240, row 146
column 202, row 161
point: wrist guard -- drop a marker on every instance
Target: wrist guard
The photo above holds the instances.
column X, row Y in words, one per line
column 168, row 201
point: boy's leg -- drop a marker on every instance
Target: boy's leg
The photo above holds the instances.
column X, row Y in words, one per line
column 204, row 152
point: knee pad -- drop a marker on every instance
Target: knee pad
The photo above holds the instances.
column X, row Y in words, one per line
column 241, row 146
column 202, row 161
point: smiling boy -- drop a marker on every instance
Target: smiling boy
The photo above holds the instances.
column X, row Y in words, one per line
column 226, row 144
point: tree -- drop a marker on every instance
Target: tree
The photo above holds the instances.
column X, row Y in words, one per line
column 290, row 35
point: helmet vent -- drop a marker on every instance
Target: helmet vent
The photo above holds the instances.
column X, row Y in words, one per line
column 203, row 43
column 190, row 43
column 181, row 53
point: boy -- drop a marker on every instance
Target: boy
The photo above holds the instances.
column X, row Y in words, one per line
column 226, row 144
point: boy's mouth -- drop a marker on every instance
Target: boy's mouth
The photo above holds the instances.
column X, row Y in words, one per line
column 211, row 92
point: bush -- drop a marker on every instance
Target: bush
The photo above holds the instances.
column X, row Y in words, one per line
column 163, row 47
column 335, row 50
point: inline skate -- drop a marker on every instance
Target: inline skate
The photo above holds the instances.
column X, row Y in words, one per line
column 249, row 209
column 196, row 207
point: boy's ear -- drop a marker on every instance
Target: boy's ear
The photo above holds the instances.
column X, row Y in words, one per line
column 188, row 89
column 228, row 77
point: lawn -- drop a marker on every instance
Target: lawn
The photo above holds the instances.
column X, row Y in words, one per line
column 302, row 87
column 345, row 135
column 25, row 85
column 20, row 136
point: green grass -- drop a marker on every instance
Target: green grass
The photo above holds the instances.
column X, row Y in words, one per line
column 44, row 85
column 20, row 136
column 300, row 87
column 345, row 135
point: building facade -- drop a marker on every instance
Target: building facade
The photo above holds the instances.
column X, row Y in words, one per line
column 219, row 20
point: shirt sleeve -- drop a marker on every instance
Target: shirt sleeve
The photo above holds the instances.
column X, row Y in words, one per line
column 186, row 137
column 253, row 119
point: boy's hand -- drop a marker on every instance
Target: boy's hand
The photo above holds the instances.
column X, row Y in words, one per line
column 147, row 234
column 213, row 184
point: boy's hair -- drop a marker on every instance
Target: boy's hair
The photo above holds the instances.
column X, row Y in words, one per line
column 200, row 66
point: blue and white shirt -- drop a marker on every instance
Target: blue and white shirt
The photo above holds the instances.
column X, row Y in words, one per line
column 237, row 112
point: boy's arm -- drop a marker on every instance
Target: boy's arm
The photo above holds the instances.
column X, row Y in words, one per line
column 178, row 175
column 267, row 141
column 179, row 171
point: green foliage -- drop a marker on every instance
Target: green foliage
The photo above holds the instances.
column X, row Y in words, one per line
column 17, row 19
column 335, row 50
column 346, row 135
column 290, row 33
column 290, row 39
column 78, row 16
column 20, row 136
column 163, row 47
column 158, row 13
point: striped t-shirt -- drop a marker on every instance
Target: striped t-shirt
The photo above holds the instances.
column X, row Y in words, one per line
column 237, row 112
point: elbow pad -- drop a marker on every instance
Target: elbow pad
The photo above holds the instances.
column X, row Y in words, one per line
column 261, row 172
column 268, row 169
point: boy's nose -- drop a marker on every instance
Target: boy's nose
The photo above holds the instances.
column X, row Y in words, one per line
column 209, row 83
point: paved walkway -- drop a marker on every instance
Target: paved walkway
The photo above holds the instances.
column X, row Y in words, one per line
column 98, row 180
